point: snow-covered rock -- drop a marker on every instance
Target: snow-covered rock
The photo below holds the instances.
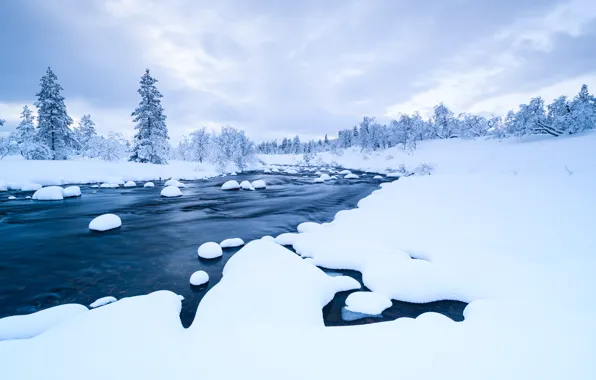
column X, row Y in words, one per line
column 171, row 191
column 318, row 173
column 325, row 177
column 333, row 177
column 231, row 243
column 245, row 185
column 105, row 222
column 230, row 185
column 309, row 227
column 11, row 198
column 95, row 186
column 173, row 182
column 291, row 171
column 267, row 171
column 318, row 180
column 149, row 184
column 394, row 175
column 31, row 325
column 28, row 197
column 351, row 176
column 345, row 283
column 50, row 193
column 275, row 170
column 106, row 185
column 199, row 277
column 71, row 192
column 377, row 177
column 209, row 250
column 102, row 301
column 259, row 184
column 287, row 238
column 367, row 302
column 344, row 172
column 130, row 184
column 268, row 238
column 31, row 187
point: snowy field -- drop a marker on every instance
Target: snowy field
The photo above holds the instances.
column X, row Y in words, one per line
column 506, row 226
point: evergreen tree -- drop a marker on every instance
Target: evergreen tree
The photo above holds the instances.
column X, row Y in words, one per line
column 151, row 139
column 583, row 111
column 52, row 121
column 25, row 130
column 86, row 134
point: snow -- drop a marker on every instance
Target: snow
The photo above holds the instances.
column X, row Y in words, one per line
column 268, row 238
column 199, row 278
column 245, row 185
column 351, row 176
column 102, row 301
column 109, row 186
column 31, row 187
column 105, row 222
column 95, row 186
column 377, row 177
column 345, row 283
column 367, row 303
column 28, row 197
column 231, row 243
column 130, row 184
column 318, row 173
column 50, row 193
column 308, row 227
column 318, row 180
column 71, row 192
column 344, row 172
column 325, row 177
column 171, row 191
column 230, row 185
column 291, row 171
column 287, row 238
column 210, row 250
column 259, row 184
column 149, row 184
column 267, row 171
column 12, row 197
column 3, row 186
column 31, row 325
column 173, row 182
column 394, row 175
column 333, row 177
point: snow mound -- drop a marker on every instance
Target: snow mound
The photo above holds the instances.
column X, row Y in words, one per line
column 199, row 277
column 28, row 197
column 259, row 184
column 31, row 325
column 11, row 198
column 318, row 173
column 367, row 303
column 109, row 185
column 95, row 186
column 318, row 180
column 130, row 184
column 149, row 184
column 377, row 177
column 102, row 301
column 345, row 283
column 31, row 187
column 50, row 193
column 171, row 191
column 308, row 227
column 287, row 238
column 71, row 192
column 325, row 177
column 173, row 182
column 394, row 175
column 333, row 177
column 267, row 171
column 230, row 185
column 344, row 172
column 231, row 243
column 268, row 238
column 210, row 250
column 245, row 185
column 105, row 222
column 351, row 176
column 291, row 171
column 275, row 170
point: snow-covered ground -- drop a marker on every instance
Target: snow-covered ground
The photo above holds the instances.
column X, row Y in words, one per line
column 16, row 172
column 506, row 226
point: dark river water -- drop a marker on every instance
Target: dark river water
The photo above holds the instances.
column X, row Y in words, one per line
column 49, row 257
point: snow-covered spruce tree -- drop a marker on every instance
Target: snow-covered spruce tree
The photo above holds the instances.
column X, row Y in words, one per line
column 52, row 119
column 583, row 111
column 151, row 139
column 199, row 145
column 85, row 134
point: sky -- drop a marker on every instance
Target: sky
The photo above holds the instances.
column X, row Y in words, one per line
column 281, row 68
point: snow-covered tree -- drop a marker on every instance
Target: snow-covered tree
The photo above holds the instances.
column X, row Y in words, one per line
column 199, row 144
column 6, row 146
column 25, row 134
column 583, row 111
column 52, row 120
column 85, row 134
column 443, row 122
column 151, row 139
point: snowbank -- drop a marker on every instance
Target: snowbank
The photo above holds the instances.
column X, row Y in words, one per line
column 367, row 303
column 318, row 180
column 209, row 250
column 105, row 222
column 351, row 176
column 171, row 191
column 149, row 184
column 245, row 185
column 259, row 184
column 31, row 187
column 107, row 185
column 308, row 227
column 103, row 301
column 173, row 182
column 50, row 193
column 130, row 184
column 199, row 278
column 230, row 185
column 287, row 238
column 30, row 325
column 231, row 243
column 71, row 192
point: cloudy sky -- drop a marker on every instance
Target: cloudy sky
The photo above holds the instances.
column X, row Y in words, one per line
column 279, row 68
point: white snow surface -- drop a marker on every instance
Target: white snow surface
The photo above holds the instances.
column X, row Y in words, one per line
column 507, row 226
column 30, row 325
column 107, row 185
column 11, row 197
column 149, row 184
column 31, row 187
column 309, row 227
column 231, row 243
column 209, row 250
column 378, row 177
column 351, row 176
column 130, row 184
column 367, row 302
column 105, row 222
column 246, row 185
column 199, row 277
column 102, row 301
column 230, row 185
column 71, row 192
column 325, row 177
column 50, row 193
column 173, row 182
column 259, row 184
column 287, row 238
column 171, row 191
column 318, row 180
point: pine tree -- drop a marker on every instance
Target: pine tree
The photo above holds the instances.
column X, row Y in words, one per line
column 86, row 134
column 25, row 130
column 151, row 139
column 52, row 121
column 583, row 111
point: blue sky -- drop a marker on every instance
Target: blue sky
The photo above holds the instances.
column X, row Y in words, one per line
column 279, row 68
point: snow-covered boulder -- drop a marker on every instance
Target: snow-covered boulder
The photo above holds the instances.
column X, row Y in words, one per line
column 333, row 177
column 230, row 185
column 267, row 171
column 199, row 277
column 318, row 173
column 351, row 176
column 318, row 180
column 105, row 222
column 31, row 325
column 367, row 303
column 259, row 184
column 102, row 301
column 210, row 250
column 268, row 238
column 71, row 192
column 344, row 172
column 149, row 184
column 171, row 191
column 95, row 186
column 308, row 227
column 325, row 177
column 130, row 184
column 31, row 187
column 28, row 197
column 377, row 177
column 287, row 238
column 345, row 283
column 245, row 185
column 394, row 175
column 291, row 171
column 11, row 198
column 50, row 193
column 231, row 243
column 173, row 182
column 107, row 185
